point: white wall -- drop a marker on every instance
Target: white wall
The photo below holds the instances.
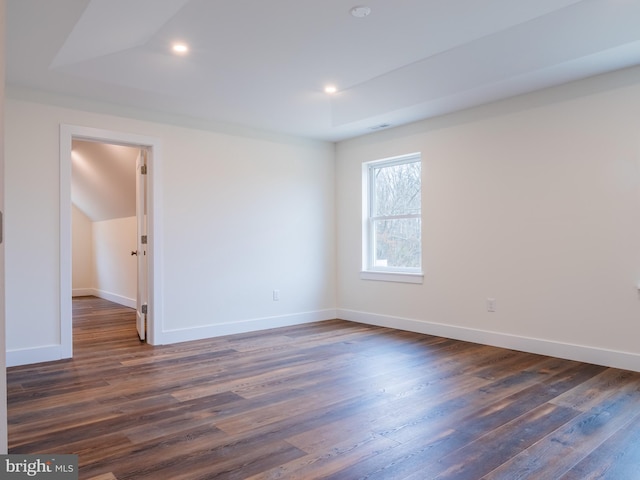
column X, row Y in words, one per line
column 535, row 202
column 243, row 213
column 115, row 268
column 83, row 279
column 102, row 260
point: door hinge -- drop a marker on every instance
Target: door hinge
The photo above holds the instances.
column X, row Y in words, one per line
column 144, row 308
column 143, row 239
column 143, row 170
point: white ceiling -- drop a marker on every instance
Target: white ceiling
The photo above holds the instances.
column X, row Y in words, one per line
column 264, row 64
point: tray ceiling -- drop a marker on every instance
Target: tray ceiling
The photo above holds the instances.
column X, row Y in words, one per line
column 264, row 64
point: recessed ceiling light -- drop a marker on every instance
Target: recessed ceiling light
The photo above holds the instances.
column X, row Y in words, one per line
column 330, row 89
column 360, row 11
column 180, row 48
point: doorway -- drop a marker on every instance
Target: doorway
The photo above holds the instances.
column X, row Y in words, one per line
column 104, row 226
column 151, row 145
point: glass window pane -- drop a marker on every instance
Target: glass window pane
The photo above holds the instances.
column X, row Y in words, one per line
column 397, row 243
column 396, row 189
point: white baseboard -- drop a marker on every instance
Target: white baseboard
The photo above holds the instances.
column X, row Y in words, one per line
column 55, row 352
column 244, row 326
column 581, row 353
column 115, row 298
column 26, row 356
column 112, row 297
column 83, row 292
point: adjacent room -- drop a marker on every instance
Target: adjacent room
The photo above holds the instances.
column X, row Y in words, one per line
column 103, row 221
column 394, row 240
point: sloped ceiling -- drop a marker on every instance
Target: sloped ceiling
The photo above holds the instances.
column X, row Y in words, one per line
column 103, row 180
column 264, row 64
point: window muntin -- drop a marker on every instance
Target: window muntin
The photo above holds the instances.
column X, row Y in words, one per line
column 393, row 239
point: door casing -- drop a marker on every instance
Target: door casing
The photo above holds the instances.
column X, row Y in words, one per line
column 141, row 246
column 154, row 247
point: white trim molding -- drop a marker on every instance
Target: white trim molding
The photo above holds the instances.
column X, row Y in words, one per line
column 83, row 292
column 245, row 326
column 112, row 297
column 401, row 277
column 580, row 353
column 155, row 246
column 27, row 356
column 115, row 298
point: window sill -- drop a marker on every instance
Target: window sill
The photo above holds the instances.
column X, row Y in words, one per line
column 401, row 277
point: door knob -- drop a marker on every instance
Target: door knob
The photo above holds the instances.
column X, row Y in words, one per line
column 134, row 252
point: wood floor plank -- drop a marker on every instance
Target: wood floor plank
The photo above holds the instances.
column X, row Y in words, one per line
column 335, row 400
column 104, row 476
column 330, row 460
column 557, row 453
column 599, row 389
column 616, row 459
column 491, row 450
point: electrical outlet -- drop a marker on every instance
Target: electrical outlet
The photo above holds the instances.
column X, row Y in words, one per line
column 491, row 304
column 276, row 295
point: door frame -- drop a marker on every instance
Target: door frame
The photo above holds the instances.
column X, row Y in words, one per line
column 154, row 247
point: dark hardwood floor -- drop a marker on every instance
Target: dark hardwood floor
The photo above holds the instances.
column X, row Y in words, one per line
column 334, row 400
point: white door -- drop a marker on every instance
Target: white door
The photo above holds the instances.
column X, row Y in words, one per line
column 141, row 214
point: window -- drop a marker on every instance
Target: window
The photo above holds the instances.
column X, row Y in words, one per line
column 392, row 239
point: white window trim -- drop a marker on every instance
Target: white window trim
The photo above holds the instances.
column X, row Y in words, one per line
column 400, row 277
column 387, row 274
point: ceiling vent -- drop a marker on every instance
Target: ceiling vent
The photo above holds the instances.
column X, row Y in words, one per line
column 380, row 127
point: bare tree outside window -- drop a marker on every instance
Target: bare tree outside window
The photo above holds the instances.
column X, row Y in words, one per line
column 395, row 214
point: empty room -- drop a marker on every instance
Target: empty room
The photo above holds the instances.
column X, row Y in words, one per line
column 381, row 240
